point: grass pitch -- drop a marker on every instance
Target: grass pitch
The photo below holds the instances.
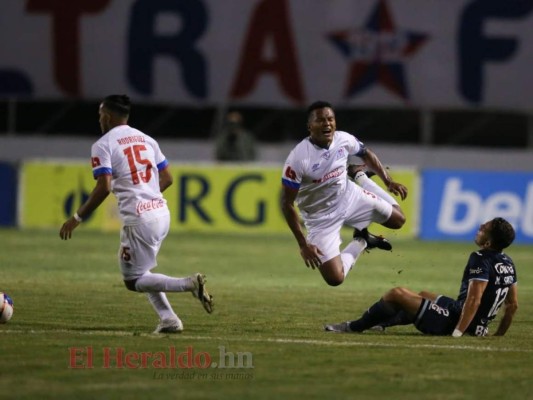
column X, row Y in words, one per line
column 78, row 333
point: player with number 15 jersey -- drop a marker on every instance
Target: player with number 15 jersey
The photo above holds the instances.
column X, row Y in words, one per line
column 134, row 160
column 130, row 164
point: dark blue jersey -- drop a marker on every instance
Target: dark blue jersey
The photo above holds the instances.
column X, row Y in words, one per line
column 499, row 271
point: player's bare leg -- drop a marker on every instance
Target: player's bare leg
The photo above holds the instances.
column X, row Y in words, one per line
column 334, row 271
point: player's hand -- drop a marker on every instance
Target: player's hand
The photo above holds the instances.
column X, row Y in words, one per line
column 398, row 189
column 66, row 230
column 311, row 255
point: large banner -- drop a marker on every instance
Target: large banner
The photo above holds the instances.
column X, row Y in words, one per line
column 203, row 198
column 455, row 203
column 282, row 53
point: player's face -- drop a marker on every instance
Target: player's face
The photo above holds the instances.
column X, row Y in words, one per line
column 483, row 234
column 103, row 119
column 322, row 126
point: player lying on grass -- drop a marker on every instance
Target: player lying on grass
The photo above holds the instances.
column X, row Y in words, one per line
column 488, row 282
column 130, row 164
column 315, row 177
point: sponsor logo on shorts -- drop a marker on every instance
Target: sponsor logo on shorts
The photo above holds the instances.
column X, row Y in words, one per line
column 439, row 310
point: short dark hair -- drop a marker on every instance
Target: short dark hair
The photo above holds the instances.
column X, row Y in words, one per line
column 317, row 105
column 118, row 104
column 502, row 233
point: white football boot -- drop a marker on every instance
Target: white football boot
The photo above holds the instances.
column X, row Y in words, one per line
column 169, row 325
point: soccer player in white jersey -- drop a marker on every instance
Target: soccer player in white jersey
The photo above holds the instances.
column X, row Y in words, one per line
column 130, row 164
column 315, row 178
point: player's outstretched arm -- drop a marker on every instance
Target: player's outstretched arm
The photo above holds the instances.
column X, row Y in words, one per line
column 309, row 253
column 510, row 307
column 97, row 196
column 470, row 307
column 374, row 164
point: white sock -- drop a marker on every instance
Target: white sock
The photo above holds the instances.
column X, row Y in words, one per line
column 161, row 305
column 368, row 184
column 161, row 283
column 351, row 253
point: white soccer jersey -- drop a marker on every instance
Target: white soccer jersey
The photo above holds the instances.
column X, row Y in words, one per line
column 134, row 160
column 319, row 174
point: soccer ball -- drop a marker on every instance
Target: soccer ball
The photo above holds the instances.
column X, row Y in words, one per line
column 6, row 308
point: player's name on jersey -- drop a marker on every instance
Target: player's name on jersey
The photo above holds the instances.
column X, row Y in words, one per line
column 131, row 139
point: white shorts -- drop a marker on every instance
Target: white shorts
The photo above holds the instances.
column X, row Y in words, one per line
column 358, row 209
column 139, row 246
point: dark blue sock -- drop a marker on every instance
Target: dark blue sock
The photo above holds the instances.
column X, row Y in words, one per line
column 401, row 318
column 377, row 313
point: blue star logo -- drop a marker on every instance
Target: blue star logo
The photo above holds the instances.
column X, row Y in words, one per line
column 377, row 52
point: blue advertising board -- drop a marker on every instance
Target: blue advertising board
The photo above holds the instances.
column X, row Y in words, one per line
column 8, row 195
column 455, row 203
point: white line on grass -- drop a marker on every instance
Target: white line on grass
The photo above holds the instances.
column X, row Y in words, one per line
column 271, row 340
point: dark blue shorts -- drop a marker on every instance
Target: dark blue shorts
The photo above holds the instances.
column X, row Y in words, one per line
column 439, row 317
